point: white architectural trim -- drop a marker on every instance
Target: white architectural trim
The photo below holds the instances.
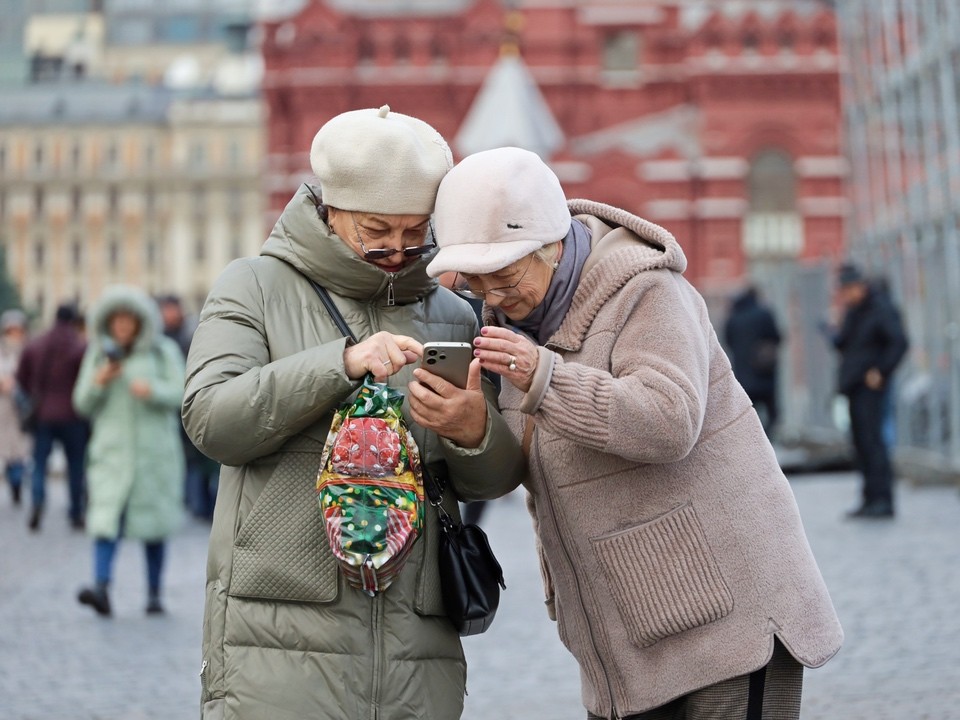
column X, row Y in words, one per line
column 824, row 206
column 572, row 171
column 667, row 209
column 822, row 166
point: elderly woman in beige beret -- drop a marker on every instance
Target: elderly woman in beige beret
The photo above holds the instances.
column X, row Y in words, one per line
column 674, row 558
column 284, row 634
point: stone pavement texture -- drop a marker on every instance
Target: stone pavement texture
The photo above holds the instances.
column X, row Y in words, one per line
column 896, row 586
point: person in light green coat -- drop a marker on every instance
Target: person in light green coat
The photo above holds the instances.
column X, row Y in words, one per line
column 130, row 387
column 285, row 636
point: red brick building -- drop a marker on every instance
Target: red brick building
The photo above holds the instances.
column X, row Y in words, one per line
column 715, row 118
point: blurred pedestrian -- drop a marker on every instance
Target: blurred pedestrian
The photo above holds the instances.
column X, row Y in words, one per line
column 672, row 550
column 284, row 634
column 14, row 443
column 872, row 342
column 753, row 339
column 201, row 474
column 131, row 387
column 47, row 372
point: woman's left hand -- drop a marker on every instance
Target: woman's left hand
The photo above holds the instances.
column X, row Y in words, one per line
column 458, row 414
column 507, row 353
column 140, row 389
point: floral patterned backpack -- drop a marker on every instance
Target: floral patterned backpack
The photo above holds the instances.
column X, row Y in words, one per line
column 370, row 488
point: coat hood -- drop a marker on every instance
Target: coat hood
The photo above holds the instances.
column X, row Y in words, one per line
column 125, row 297
column 303, row 239
column 622, row 246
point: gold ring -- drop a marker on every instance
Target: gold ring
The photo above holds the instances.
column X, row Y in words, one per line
column 513, row 363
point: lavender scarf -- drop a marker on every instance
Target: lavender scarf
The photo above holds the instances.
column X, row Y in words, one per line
column 545, row 319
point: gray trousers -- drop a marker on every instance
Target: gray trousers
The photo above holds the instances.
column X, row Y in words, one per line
column 728, row 700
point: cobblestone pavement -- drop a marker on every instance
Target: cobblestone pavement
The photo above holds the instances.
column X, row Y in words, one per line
column 896, row 586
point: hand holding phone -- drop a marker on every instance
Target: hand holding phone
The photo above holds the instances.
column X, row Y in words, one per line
column 449, row 360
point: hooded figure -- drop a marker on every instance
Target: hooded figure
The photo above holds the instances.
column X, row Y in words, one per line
column 130, row 387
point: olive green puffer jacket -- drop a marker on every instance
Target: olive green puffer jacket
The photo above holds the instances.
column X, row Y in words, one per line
column 284, row 636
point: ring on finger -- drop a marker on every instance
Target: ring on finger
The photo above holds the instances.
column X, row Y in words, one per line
column 512, row 365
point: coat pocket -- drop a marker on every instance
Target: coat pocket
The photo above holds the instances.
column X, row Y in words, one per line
column 281, row 550
column 663, row 576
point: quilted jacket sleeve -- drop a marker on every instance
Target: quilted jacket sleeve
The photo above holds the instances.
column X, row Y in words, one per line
column 239, row 405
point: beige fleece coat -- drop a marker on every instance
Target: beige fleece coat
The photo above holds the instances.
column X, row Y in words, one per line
column 671, row 535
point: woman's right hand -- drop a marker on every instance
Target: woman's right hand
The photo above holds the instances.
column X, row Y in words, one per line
column 107, row 373
column 382, row 355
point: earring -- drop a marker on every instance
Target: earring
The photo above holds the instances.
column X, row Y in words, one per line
column 556, row 264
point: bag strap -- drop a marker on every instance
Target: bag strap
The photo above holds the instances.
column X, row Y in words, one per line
column 755, row 694
column 332, row 309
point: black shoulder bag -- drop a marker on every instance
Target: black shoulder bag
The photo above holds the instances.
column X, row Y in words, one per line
column 470, row 576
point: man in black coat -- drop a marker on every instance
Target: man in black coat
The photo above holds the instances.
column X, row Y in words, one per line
column 753, row 341
column 872, row 343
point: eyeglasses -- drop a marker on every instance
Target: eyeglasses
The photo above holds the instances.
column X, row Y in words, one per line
column 475, row 294
column 381, row 253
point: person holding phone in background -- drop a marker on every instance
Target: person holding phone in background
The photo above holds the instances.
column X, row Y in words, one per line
column 130, row 387
column 673, row 554
column 284, row 634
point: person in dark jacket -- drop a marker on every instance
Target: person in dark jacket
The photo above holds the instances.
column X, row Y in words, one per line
column 871, row 342
column 47, row 371
column 753, row 342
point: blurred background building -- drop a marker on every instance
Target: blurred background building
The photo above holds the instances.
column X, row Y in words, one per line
column 902, row 97
column 153, row 142
column 131, row 146
column 719, row 119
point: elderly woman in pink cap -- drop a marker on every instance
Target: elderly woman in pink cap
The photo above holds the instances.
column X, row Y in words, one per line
column 674, row 558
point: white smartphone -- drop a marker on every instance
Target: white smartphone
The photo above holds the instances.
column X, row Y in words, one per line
column 449, row 360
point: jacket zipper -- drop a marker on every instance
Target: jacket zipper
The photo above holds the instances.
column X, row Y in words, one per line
column 391, row 300
column 376, row 606
column 203, row 680
column 583, row 606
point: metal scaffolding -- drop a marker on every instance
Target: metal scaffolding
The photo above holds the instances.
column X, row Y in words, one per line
column 901, row 95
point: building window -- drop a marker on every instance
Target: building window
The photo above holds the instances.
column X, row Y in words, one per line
column 39, row 254
column 149, row 154
column 76, row 254
column 772, row 182
column 113, row 155
column 787, row 39
column 151, row 253
column 113, row 254
column 365, row 51
column 76, row 155
column 149, row 200
column 38, row 155
column 198, row 155
column 621, row 51
column 76, row 201
column 199, row 201
column 199, row 246
column 181, row 29
column 751, row 40
column 234, row 155
column 113, row 199
column 772, row 228
column 401, row 50
column 38, row 200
